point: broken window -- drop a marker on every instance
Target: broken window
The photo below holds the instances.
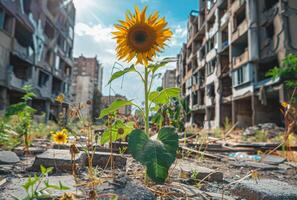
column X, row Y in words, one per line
column 42, row 79
column 21, row 69
column 270, row 31
column 195, row 98
column 23, row 35
column 48, row 57
column 210, row 44
column 5, row 21
column 241, row 76
column 270, row 4
column 240, row 16
column 26, row 6
column 210, row 67
column 211, row 90
column 49, row 30
column 265, row 67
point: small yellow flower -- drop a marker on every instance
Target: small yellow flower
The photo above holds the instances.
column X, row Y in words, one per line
column 60, row 137
column 68, row 196
column 60, row 98
column 285, row 104
column 255, row 175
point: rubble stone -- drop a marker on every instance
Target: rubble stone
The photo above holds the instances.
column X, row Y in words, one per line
column 32, row 150
column 273, row 160
column 188, row 168
column 101, row 159
column 265, row 189
column 271, row 129
column 8, row 157
column 59, row 159
column 126, row 188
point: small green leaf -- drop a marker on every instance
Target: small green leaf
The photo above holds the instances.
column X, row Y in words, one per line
column 117, row 104
column 164, row 96
column 118, row 74
column 157, row 155
column 42, row 169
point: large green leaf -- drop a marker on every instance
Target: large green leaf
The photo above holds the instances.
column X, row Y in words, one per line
column 117, row 104
column 157, row 155
column 115, row 135
column 121, row 73
column 164, row 96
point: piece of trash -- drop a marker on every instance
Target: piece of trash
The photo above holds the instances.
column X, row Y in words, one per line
column 244, row 156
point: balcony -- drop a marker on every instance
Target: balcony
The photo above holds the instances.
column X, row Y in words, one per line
column 237, row 4
column 240, row 60
column 25, row 53
column 240, row 30
column 225, row 19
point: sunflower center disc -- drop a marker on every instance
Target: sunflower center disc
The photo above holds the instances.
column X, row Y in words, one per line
column 140, row 36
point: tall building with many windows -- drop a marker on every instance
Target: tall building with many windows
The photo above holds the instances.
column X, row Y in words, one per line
column 87, row 78
column 36, row 43
column 169, row 79
column 231, row 46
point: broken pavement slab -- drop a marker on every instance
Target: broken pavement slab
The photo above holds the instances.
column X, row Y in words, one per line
column 272, row 160
column 102, row 160
column 14, row 187
column 8, row 157
column 265, row 189
column 256, row 165
column 59, row 159
column 189, row 167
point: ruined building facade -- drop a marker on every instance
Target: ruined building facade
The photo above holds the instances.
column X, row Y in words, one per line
column 36, row 43
column 231, row 46
column 87, row 78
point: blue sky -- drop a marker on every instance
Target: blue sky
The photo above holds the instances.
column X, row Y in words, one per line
column 94, row 23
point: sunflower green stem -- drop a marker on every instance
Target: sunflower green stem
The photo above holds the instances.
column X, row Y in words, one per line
column 146, row 100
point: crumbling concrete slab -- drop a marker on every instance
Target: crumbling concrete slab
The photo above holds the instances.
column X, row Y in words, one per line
column 13, row 187
column 265, row 189
column 8, row 157
column 188, row 169
column 102, row 160
column 256, row 165
column 32, row 151
column 272, row 160
column 59, row 159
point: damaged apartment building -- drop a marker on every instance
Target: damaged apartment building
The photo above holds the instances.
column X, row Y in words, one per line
column 36, row 43
column 222, row 68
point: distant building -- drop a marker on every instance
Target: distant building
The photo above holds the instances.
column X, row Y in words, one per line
column 36, row 43
column 87, row 77
column 107, row 100
column 169, row 79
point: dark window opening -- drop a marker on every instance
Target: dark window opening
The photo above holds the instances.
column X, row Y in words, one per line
column 49, row 30
column 48, row 57
column 27, row 5
column 23, row 36
column 202, row 96
column 265, row 67
column 270, row 30
column 42, row 79
column 226, row 86
column 195, row 98
column 56, row 86
column 211, row 90
column 240, row 17
column 21, row 69
column 5, row 21
column 270, row 4
column 211, row 114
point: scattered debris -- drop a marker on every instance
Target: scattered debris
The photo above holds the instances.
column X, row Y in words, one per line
column 265, row 189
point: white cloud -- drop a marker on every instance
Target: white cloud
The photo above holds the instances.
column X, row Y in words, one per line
column 179, row 36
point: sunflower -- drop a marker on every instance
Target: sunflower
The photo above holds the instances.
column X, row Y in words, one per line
column 60, row 137
column 141, row 37
column 60, row 98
